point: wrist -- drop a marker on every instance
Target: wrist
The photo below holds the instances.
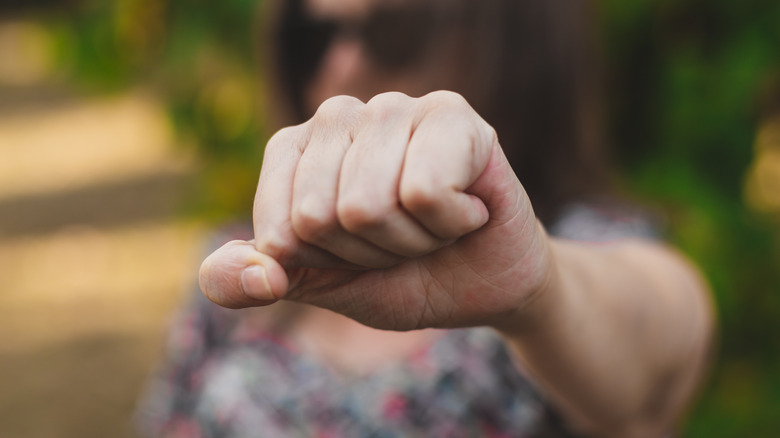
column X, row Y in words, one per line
column 540, row 297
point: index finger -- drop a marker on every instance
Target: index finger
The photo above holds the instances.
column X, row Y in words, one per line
column 273, row 208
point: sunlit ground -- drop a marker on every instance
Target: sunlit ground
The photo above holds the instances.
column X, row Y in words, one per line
column 92, row 259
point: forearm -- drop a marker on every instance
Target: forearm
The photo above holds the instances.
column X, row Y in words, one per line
column 618, row 337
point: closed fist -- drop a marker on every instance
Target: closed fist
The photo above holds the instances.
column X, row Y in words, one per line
column 401, row 213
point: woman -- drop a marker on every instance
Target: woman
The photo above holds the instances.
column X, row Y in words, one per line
column 383, row 218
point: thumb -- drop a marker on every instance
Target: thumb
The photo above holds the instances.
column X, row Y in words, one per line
column 237, row 275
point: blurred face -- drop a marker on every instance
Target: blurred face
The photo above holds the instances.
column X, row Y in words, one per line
column 373, row 46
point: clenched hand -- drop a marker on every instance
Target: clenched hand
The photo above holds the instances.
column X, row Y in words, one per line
column 400, row 213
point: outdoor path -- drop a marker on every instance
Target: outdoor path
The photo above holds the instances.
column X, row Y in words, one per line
column 93, row 257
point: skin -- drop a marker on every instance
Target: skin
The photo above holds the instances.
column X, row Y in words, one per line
column 403, row 213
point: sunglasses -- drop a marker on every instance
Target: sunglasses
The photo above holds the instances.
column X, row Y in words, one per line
column 394, row 38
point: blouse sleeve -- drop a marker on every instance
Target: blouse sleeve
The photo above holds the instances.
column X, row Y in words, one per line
column 605, row 221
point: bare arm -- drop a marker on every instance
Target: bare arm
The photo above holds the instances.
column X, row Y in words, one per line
column 619, row 338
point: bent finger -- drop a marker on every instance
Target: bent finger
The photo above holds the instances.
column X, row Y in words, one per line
column 447, row 153
column 313, row 217
column 368, row 204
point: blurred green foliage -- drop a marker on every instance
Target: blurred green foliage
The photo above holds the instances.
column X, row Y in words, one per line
column 201, row 58
column 690, row 83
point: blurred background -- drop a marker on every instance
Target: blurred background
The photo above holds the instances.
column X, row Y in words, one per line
column 129, row 128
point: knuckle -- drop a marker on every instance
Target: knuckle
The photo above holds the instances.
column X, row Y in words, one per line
column 416, row 196
column 491, row 135
column 390, row 98
column 484, row 135
column 384, row 105
column 311, row 221
column 445, row 98
column 356, row 216
column 283, row 138
column 286, row 135
column 275, row 244
column 337, row 106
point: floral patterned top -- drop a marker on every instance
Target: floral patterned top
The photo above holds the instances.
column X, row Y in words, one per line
column 223, row 380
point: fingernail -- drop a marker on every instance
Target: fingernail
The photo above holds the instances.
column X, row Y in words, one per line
column 254, row 281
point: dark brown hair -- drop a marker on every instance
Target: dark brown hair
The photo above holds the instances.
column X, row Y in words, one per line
column 530, row 70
